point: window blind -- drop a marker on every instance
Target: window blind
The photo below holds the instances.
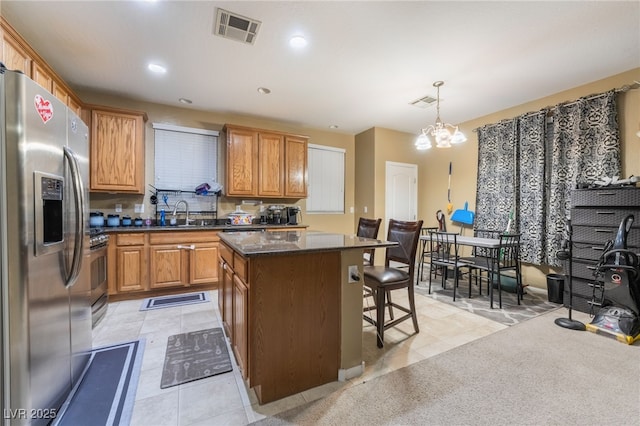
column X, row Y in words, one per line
column 326, row 179
column 184, row 157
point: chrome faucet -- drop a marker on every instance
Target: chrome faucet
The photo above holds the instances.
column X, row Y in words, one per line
column 186, row 208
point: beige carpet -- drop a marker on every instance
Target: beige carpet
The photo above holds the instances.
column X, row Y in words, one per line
column 533, row 373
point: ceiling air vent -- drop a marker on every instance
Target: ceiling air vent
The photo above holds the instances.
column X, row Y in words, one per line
column 425, row 102
column 236, row 27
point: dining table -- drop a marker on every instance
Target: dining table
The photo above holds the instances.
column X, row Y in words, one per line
column 491, row 244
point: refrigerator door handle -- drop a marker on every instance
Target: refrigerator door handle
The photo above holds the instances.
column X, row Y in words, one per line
column 78, row 195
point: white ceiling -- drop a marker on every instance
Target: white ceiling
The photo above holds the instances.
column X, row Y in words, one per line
column 365, row 61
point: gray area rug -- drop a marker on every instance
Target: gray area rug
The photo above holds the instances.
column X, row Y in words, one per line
column 107, row 389
column 534, row 373
column 533, row 304
column 195, row 355
column 174, row 300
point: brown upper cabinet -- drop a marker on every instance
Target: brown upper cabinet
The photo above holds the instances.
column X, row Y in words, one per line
column 296, row 161
column 41, row 76
column 16, row 54
column 265, row 163
column 117, row 150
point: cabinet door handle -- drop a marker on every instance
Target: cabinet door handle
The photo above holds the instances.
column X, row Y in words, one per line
column 190, row 247
column 609, row 212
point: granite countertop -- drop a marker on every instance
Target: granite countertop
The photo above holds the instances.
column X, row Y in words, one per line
column 223, row 228
column 286, row 242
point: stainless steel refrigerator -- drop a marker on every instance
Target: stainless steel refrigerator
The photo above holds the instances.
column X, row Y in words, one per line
column 45, row 308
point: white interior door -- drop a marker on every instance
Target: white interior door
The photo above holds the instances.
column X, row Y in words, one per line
column 401, row 192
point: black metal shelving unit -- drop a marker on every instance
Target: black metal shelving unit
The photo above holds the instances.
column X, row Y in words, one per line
column 167, row 198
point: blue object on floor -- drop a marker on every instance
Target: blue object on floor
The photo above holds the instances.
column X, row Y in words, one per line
column 106, row 392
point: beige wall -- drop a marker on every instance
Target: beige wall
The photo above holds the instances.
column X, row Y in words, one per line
column 341, row 223
column 365, row 174
column 367, row 152
column 434, row 163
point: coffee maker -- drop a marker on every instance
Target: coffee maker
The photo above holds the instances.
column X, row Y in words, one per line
column 292, row 215
column 277, row 215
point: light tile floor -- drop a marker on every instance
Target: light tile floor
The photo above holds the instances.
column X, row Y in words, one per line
column 225, row 399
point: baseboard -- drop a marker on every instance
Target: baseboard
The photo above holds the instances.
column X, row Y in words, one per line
column 345, row 374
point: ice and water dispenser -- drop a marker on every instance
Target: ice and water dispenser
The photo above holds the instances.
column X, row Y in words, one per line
column 49, row 215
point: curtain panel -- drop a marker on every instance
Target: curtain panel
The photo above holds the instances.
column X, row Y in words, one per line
column 585, row 147
column 495, row 195
column 522, row 170
column 531, row 212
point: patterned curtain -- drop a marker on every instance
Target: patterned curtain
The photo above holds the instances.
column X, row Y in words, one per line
column 531, row 212
column 585, row 147
column 511, row 169
column 495, row 195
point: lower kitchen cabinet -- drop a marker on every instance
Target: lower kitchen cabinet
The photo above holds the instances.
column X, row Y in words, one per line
column 225, row 296
column 240, row 323
column 147, row 262
column 233, row 299
column 203, row 263
column 167, row 267
column 132, row 271
column 225, row 289
column 129, row 271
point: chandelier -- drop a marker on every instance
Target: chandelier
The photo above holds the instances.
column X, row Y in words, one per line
column 444, row 134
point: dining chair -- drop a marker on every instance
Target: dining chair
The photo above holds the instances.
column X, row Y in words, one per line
column 480, row 256
column 368, row 228
column 425, row 253
column 381, row 280
column 446, row 255
column 503, row 259
column 508, row 259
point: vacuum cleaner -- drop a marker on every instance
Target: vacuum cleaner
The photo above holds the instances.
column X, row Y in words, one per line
column 618, row 278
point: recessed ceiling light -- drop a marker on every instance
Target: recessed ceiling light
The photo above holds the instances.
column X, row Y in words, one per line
column 185, row 101
column 297, row 42
column 158, row 69
column 333, row 126
column 263, row 90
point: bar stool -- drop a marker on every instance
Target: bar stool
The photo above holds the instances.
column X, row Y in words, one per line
column 380, row 280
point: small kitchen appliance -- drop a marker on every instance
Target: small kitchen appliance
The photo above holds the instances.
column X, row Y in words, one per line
column 275, row 215
column 292, row 215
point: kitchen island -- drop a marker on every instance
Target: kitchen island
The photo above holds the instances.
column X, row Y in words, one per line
column 291, row 307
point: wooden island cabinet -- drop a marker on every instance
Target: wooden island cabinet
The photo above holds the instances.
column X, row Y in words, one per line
column 293, row 317
column 265, row 163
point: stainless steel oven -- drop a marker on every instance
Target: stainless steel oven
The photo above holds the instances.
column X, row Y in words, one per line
column 99, row 297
